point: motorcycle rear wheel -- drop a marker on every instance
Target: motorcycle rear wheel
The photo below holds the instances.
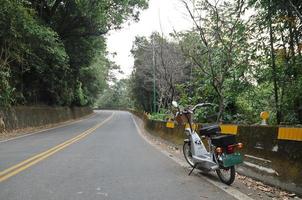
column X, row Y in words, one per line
column 226, row 175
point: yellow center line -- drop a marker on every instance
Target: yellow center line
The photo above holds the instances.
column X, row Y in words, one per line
column 7, row 173
column 38, row 155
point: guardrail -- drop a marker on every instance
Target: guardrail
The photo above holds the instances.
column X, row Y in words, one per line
column 273, row 154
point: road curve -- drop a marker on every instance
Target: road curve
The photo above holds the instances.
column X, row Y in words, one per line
column 105, row 158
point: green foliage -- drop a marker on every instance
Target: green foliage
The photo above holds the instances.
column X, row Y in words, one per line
column 244, row 64
column 79, row 95
column 162, row 115
column 6, row 92
column 54, row 52
column 28, row 52
column 116, row 96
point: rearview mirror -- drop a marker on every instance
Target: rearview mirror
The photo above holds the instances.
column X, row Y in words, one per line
column 175, row 104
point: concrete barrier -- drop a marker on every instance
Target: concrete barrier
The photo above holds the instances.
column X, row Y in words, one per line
column 267, row 156
column 20, row 117
column 274, row 161
column 158, row 128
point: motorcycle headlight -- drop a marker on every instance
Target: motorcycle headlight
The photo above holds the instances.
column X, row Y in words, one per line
column 187, row 132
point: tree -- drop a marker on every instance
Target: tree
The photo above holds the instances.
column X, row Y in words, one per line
column 169, row 71
column 116, row 96
column 280, row 21
column 54, row 52
column 28, row 50
column 218, row 45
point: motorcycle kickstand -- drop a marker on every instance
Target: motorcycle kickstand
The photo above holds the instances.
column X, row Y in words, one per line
column 195, row 165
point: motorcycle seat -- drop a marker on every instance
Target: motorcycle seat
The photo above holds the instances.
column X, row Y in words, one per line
column 223, row 140
column 210, row 130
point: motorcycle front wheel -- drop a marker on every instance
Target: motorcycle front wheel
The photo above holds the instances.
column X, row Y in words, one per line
column 226, row 174
column 187, row 153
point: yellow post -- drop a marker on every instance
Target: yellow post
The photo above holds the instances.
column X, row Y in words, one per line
column 170, row 123
column 264, row 116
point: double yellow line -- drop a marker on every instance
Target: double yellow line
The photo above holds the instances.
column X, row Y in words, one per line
column 7, row 173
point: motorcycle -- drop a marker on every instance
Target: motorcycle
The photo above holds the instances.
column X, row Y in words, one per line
column 222, row 154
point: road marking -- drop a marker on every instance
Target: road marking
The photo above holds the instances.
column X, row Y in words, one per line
column 7, row 173
column 48, row 129
column 257, row 158
column 228, row 189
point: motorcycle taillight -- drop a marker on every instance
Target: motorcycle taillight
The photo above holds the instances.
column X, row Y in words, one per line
column 230, row 149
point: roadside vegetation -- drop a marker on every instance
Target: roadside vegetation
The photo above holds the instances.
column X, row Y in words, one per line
column 244, row 56
column 54, row 52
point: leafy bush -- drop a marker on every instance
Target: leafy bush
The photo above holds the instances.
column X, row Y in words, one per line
column 162, row 115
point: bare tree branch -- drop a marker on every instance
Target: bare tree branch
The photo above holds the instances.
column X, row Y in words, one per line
column 296, row 10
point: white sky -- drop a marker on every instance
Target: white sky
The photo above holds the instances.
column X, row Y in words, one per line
column 171, row 14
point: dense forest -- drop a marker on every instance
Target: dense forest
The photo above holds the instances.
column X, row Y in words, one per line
column 54, row 51
column 244, row 56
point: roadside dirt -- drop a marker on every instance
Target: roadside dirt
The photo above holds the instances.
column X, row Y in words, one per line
column 252, row 188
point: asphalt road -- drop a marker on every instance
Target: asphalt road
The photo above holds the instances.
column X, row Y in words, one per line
column 110, row 160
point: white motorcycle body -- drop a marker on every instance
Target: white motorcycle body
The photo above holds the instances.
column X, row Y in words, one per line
column 201, row 157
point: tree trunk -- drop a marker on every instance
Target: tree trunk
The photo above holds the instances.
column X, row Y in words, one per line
column 221, row 109
column 273, row 64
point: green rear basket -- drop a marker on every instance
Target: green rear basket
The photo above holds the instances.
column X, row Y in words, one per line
column 229, row 160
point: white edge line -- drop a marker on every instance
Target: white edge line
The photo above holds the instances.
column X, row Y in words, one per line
column 48, row 129
column 261, row 168
column 230, row 190
column 257, row 158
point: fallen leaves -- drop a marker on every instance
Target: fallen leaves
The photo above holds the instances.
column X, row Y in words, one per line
column 273, row 192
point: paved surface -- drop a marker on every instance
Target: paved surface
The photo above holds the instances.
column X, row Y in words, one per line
column 113, row 162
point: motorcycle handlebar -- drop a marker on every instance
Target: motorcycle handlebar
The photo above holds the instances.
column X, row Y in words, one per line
column 202, row 105
column 187, row 110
